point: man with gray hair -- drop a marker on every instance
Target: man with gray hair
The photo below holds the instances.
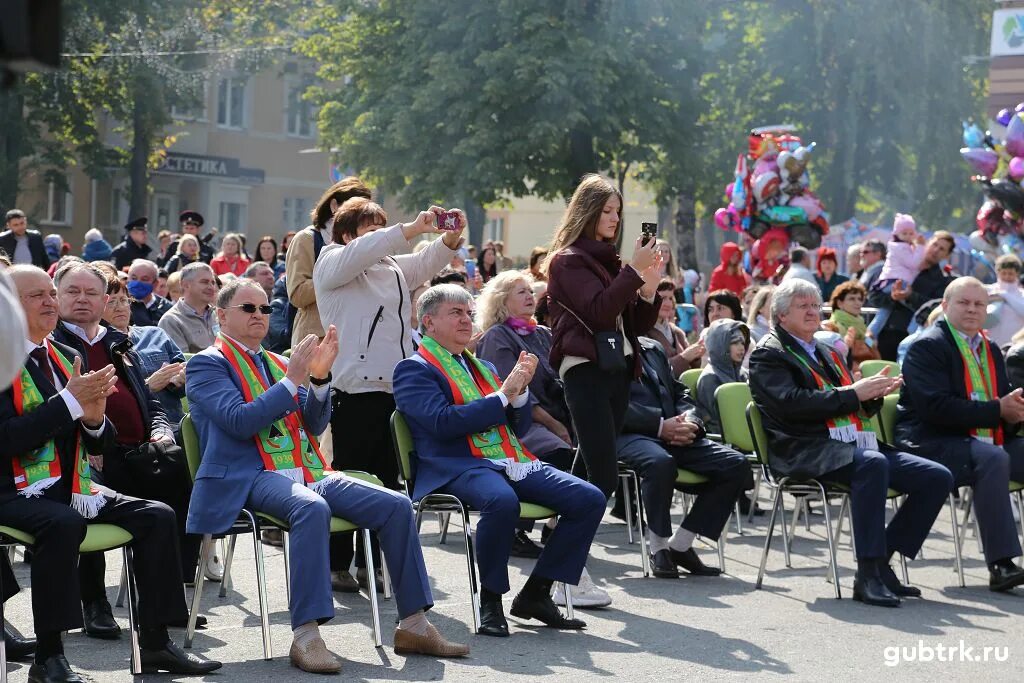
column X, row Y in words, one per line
column 464, row 421
column 190, row 322
column 800, row 266
column 147, row 307
column 957, row 409
column 817, row 421
column 262, row 274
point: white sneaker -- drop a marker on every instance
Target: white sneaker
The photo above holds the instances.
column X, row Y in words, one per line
column 214, row 569
column 586, row 595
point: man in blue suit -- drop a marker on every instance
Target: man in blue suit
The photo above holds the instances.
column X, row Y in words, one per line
column 464, row 422
column 252, row 416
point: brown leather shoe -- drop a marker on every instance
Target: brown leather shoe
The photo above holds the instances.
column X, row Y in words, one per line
column 314, row 658
column 430, row 643
column 344, row 582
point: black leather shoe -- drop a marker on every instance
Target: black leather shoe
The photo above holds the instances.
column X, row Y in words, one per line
column 690, row 561
column 173, row 659
column 543, row 609
column 871, row 591
column 1002, row 576
column 492, row 619
column 99, row 620
column 200, row 623
column 893, row 584
column 523, row 546
column 54, row 670
column 662, row 565
column 545, row 534
column 18, row 648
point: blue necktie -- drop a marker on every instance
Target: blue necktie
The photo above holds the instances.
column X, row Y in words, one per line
column 257, row 359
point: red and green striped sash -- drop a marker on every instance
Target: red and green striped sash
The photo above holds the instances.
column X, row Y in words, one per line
column 980, row 380
column 38, row 470
column 498, row 443
column 283, row 445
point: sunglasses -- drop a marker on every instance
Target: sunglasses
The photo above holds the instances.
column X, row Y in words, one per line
column 265, row 309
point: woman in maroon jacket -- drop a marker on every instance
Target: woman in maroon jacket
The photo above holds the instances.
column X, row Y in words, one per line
column 589, row 288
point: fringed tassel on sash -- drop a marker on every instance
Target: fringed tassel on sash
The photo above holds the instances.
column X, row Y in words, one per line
column 37, row 489
column 517, row 471
column 88, row 506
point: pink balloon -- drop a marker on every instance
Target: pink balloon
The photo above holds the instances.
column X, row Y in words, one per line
column 765, row 166
column 810, row 205
column 722, row 219
column 1016, row 168
column 984, row 161
column 735, row 221
column 728, row 190
column 1014, row 139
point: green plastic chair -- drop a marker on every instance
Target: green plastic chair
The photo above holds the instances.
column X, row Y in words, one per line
column 689, row 378
column 98, row 538
column 873, row 367
column 446, row 504
column 732, row 399
column 250, row 522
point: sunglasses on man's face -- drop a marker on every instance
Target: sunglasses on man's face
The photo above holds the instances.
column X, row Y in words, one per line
column 265, row 309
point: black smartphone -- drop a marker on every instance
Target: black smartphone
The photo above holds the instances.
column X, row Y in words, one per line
column 649, row 231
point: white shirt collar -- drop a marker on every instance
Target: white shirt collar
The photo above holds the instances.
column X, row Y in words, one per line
column 80, row 333
column 244, row 346
column 31, row 346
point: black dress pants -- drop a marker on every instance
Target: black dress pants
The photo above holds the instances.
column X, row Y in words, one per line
column 597, row 401
column 361, row 435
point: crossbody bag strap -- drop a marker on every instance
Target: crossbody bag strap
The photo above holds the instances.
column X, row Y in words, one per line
column 586, row 326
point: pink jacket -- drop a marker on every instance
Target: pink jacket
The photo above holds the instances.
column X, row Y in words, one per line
column 902, row 262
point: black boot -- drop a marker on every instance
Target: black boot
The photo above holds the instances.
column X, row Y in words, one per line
column 1004, row 575
column 894, row 585
column 99, row 620
column 868, row 587
column 492, row 615
column 18, row 648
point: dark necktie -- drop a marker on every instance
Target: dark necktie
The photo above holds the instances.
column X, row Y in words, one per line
column 42, row 359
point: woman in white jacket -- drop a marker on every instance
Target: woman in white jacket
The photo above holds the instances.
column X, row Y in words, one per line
column 362, row 288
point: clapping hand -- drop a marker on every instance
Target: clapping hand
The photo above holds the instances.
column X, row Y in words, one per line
column 877, row 386
column 302, row 355
column 324, row 354
column 1011, row 407
column 520, row 377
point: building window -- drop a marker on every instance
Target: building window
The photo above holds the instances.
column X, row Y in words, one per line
column 298, row 113
column 232, row 217
column 58, row 205
column 231, row 103
column 494, row 229
column 295, row 213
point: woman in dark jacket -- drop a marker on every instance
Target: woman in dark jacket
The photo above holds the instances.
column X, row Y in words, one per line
column 590, row 292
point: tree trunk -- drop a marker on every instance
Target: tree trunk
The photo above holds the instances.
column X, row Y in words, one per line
column 582, row 159
column 138, row 167
column 12, row 102
column 684, row 230
column 620, row 179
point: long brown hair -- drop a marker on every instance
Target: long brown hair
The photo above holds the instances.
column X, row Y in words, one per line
column 341, row 191
column 583, row 213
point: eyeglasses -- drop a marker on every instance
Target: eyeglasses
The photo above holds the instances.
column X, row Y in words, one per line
column 119, row 301
column 265, row 309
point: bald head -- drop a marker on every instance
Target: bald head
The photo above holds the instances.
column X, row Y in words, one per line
column 965, row 305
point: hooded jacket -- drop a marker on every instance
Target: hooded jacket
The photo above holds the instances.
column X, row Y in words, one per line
column 100, row 250
column 720, row 276
column 720, row 369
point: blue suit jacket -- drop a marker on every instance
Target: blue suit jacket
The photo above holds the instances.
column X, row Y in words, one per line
column 226, row 425
column 439, row 427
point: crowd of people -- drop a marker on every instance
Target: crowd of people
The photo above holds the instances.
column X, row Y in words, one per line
column 534, row 385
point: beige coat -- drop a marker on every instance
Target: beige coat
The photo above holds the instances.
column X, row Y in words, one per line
column 299, row 269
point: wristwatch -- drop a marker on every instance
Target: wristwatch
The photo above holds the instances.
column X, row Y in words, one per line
column 319, row 382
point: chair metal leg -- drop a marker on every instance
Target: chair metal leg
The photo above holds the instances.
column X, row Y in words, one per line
column 903, row 558
column 474, row 591
column 958, row 557
column 739, row 518
column 839, row 522
column 371, row 587
column 419, row 518
column 133, row 611
column 645, row 557
column 286, row 547
column 755, row 494
column 721, row 548
column 442, row 520
column 787, row 534
column 386, row 577
column 225, row 583
column 261, row 581
column 197, row 593
column 122, row 588
column 833, row 560
column 768, row 536
column 3, row 645
column 1020, row 511
column 628, row 501
column 570, row 613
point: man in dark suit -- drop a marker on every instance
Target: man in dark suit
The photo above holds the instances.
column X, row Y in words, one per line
column 467, row 447
column 662, row 433
column 21, row 244
column 45, row 489
column 143, row 431
column 956, row 408
column 816, row 419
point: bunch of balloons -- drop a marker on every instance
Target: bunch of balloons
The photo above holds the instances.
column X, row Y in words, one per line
column 1000, row 169
column 770, row 194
